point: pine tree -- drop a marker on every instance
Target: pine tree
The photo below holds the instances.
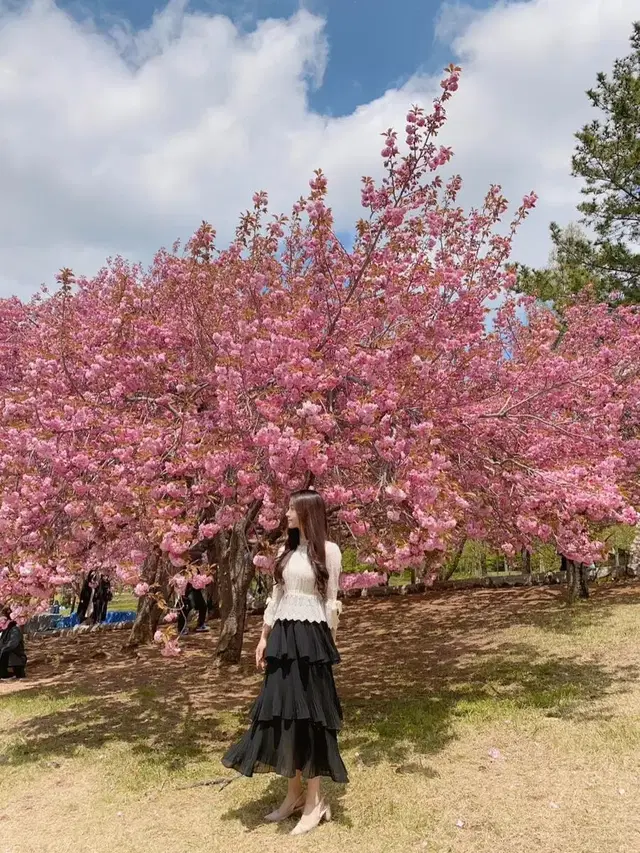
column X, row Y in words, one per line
column 607, row 159
column 568, row 273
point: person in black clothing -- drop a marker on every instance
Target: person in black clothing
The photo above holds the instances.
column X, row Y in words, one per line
column 86, row 596
column 94, row 598
column 101, row 598
column 193, row 599
column 13, row 658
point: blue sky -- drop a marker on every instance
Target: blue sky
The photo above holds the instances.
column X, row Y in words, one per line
column 374, row 45
column 125, row 123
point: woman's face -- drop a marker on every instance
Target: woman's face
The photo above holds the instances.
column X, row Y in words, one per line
column 292, row 517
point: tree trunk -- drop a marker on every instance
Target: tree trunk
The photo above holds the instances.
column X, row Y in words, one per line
column 572, row 592
column 215, row 592
column 213, row 599
column 583, row 581
column 574, row 580
column 235, row 571
column 483, row 564
column 526, row 567
column 633, row 564
column 453, row 566
column 156, row 573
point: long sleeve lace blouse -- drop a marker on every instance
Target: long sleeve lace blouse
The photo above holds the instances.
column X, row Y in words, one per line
column 296, row 597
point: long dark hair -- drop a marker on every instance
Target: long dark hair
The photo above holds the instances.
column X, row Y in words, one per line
column 312, row 515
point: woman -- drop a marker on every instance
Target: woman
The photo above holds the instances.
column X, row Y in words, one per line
column 296, row 717
column 13, row 659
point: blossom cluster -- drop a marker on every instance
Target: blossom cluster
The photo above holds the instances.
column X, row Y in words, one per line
column 155, row 408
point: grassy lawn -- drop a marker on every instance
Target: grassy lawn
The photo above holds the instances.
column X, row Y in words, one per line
column 474, row 722
column 123, row 601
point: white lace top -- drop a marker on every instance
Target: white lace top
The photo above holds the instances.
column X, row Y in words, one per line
column 297, row 597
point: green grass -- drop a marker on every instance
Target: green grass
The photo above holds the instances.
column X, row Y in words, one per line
column 483, row 707
column 123, row 601
column 25, row 706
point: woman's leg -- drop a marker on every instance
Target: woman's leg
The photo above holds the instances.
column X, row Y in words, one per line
column 315, row 809
column 294, row 795
column 294, row 791
column 295, row 784
column 313, row 795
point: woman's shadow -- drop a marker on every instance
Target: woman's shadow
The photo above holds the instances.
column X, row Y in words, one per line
column 251, row 815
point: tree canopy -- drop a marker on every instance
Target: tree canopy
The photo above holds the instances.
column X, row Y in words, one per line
column 152, row 415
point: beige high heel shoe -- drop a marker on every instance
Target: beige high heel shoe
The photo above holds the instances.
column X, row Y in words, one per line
column 308, row 822
column 278, row 815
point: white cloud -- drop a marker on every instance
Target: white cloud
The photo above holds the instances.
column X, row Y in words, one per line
column 122, row 142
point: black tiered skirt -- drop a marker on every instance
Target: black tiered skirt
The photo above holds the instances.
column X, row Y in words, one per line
column 297, row 716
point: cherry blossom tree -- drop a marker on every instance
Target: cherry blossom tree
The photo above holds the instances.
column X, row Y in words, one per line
column 164, row 415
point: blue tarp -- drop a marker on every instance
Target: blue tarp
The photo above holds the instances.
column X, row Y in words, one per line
column 53, row 622
column 121, row 616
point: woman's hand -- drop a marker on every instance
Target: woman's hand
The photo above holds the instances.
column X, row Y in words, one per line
column 260, row 650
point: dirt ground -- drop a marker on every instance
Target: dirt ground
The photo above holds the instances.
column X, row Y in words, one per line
column 474, row 721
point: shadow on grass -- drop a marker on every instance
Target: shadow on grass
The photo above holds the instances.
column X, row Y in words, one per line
column 566, row 620
column 161, row 730
column 166, row 729
column 413, row 670
column 488, row 690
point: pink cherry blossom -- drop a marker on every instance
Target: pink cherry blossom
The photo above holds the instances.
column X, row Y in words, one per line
column 156, row 411
column 362, row 580
column 170, row 649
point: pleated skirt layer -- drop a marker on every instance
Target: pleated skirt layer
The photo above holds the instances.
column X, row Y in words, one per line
column 297, row 716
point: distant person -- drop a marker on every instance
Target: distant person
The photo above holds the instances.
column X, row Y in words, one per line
column 13, row 659
column 193, row 599
column 85, row 603
column 101, row 598
column 95, row 596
